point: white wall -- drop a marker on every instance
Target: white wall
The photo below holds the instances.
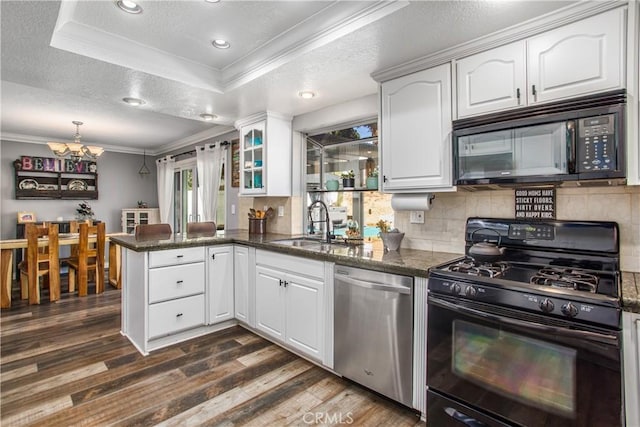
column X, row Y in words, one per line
column 119, row 186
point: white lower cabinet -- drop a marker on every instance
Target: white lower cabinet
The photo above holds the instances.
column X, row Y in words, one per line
column 220, row 278
column 631, row 355
column 290, row 305
column 163, row 298
column 241, row 284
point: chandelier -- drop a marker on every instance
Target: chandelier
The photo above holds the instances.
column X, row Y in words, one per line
column 75, row 150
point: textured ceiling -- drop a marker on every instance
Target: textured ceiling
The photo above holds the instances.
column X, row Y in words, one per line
column 76, row 60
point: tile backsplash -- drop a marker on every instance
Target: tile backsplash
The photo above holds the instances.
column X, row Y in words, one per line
column 443, row 229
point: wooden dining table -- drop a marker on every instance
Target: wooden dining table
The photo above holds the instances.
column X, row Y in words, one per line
column 64, row 239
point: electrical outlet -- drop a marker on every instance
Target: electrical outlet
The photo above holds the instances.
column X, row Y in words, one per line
column 417, row 217
column 280, row 210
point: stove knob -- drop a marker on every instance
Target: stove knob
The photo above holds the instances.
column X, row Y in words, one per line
column 455, row 289
column 546, row 305
column 470, row 291
column 569, row 310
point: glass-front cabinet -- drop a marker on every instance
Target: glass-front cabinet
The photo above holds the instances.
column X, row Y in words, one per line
column 265, row 155
column 253, row 158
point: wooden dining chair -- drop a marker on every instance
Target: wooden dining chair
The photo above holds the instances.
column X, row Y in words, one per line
column 90, row 258
column 40, row 263
column 201, row 229
column 152, row 231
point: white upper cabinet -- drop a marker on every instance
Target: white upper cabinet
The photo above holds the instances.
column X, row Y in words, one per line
column 265, row 155
column 578, row 59
column 416, row 132
column 491, row 81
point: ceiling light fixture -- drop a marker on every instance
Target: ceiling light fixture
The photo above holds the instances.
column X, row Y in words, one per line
column 306, row 94
column 212, row 1
column 129, row 6
column 208, row 117
column 144, row 170
column 75, row 150
column 221, row 44
column 135, row 102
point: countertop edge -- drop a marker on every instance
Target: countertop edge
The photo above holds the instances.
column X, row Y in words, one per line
column 410, row 262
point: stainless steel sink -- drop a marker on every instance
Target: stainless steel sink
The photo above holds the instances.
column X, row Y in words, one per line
column 304, row 242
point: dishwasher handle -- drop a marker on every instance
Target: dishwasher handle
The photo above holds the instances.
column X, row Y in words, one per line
column 374, row 285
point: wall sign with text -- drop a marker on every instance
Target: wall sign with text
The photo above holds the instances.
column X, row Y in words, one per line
column 535, row 203
column 53, row 178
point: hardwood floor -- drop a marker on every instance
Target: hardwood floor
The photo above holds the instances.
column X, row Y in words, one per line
column 65, row 363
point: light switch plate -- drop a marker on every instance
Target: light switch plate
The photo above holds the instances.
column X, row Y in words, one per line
column 280, row 210
column 416, row 217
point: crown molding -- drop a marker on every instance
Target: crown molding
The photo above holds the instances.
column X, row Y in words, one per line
column 30, row 139
column 194, row 139
column 334, row 21
column 532, row 27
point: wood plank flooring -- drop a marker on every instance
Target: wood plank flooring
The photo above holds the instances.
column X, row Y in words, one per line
column 65, row 363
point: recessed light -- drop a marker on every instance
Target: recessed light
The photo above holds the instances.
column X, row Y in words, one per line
column 208, row 117
column 306, row 94
column 129, row 6
column 221, row 44
column 133, row 101
column 212, row 1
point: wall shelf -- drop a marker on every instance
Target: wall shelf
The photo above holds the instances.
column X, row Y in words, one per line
column 54, row 184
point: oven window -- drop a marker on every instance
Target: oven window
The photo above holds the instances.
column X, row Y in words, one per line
column 531, row 371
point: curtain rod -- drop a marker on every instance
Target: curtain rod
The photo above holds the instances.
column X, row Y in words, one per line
column 223, row 143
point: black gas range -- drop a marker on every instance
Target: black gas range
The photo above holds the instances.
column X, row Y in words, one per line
column 525, row 329
column 564, row 269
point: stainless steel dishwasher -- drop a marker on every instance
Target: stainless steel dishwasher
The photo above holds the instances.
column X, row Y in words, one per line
column 373, row 330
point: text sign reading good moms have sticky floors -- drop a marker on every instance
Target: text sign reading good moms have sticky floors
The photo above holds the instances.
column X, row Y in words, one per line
column 535, row 203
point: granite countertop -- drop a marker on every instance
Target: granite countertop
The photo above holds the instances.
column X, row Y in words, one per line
column 371, row 256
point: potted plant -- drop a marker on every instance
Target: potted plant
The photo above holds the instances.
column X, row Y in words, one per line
column 372, row 179
column 84, row 211
column 348, row 179
column 391, row 237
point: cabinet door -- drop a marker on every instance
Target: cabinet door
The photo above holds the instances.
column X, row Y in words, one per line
column 491, row 81
column 220, row 273
column 416, row 131
column 252, row 159
column 270, row 313
column 304, row 314
column 241, row 283
column 577, row 59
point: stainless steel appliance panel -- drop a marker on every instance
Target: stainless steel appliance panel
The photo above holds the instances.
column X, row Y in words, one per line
column 373, row 331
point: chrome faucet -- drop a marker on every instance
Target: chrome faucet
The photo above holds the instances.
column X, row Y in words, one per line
column 326, row 220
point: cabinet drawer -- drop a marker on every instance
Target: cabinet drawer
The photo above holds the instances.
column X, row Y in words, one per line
column 176, row 281
column 176, row 256
column 176, row 315
column 294, row 264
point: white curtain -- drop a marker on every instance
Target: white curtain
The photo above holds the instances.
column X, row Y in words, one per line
column 164, row 167
column 209, row 163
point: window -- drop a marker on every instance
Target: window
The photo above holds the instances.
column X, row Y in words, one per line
column 186, row 201
column 330, row 154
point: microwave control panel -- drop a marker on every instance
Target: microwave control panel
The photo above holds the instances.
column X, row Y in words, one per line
column 596, row 144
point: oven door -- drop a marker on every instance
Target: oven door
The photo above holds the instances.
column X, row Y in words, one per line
column 515, row 368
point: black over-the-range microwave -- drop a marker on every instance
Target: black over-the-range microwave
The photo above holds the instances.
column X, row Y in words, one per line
column 581, row 140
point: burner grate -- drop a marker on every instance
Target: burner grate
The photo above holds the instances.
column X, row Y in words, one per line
column 566, row 278
column 472, row 268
